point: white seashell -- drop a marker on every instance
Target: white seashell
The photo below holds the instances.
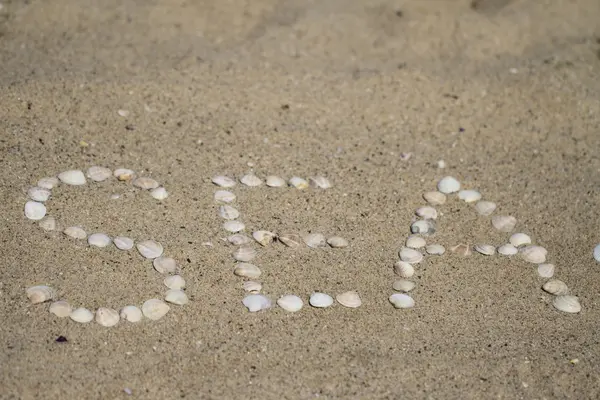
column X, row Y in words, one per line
column 72, row 177
column 349, row 299
column 448, row 185
column 485, row 249
column 123, row 174
column 247, row 270
column 507, row 250
column 556, row 287
column 568, row 304
column 435, row 198
column 337, row 242
column 238, row 239
column 39, row 294
column 123, row 113
column 263, row 237
column 61, row 309
column 224, row 196
column 319, row 182
column 504, row 223
column 534, row 254
column 485, row 207
column 402, row 285
column 410, row 256
column 131, row 314
column 519, row 239
column 245, row 253
column 155, row 309
column 404, row 269
column 123, row 243
column 546, row 270
column 401, row 300
column 320, row 300
column 228, row 212
column 82, row 315
column 252, row 286
column 234, row 226
column 423, row 227
column 115, row 196
column 48, row 224
column 48, row 183
column 415, row 242
column 99, row 240
column 160, row 193
column 315, row 240
column 107, row 316
column 35, row 210
column 469, row 196
column 298, row 183
column 290, row 303
column 145, row 183
column 75, row 232
column 275, row 181
column 435, row 249
column 290, row 239
column 256, row 302
column 597, row 253
column 38, row 194
column 174, row 282
column 251, row 180
column 223, row 181
column 150, row 249
column 164, row 265
column 98, row 174
column 427, row 212
column 461, row 249
column 176, row 296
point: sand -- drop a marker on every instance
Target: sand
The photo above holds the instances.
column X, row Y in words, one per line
column 506, row 92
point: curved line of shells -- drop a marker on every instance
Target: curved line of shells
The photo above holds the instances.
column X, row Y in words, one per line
column 518, row 244
column 153, row 309
column 245, row 252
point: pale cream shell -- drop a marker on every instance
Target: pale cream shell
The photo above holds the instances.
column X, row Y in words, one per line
column 411, row 256
column 485, row 208
column 252, row 286
column 533, row 254
column 256, row 302
column 224, row 196
column 427, row 212
column 251, row 180
column 35, row 210
column 290, row 240
column 72, row 177
column 131, row 314
column 234, row 226
column 290, row 303
column 435, row 249
column 504, row 223
column 245, row 253
column 98, row 174
column 556, row 287
column 485, row 249
column 228, row 212
column 164, row 265
column 275, row 181
column 469, row 196
column 507, row 250
column 423, row 227
column 223, row 181
column 546, row 270
column 461, row 249
column 107, row 316
column 401, row 300
column 403, row 285
column 298, row 182
column 434, row 198
column 145, row 183
column 150, row 249
column 349, row 299
column 155, row 309
column 448, row 185
column 247, row 270
column 99, row 240
column 404, row 269
column 319, row 182
column 174, row 282
column 61, row 309
column 238, row 239
column 123, row 174
column 82, row 315
column 263, row 237
column 320, row 300
column 123, row 243
column 176, row 296
column 75, row 232
column 566, row 303
column 48, row 224
column 315, row 240
column 160, row 193
column 415, row 242
column 39, row 294
column 38, row 194
column 337, row 242
column 519, row 239
column 48, row 183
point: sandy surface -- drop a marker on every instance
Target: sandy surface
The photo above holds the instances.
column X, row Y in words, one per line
column 507, row 93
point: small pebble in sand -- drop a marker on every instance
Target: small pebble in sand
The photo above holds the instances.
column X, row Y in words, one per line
column 597, row 253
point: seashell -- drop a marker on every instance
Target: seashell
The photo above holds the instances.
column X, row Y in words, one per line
column 448, row 185
column 48, row 183
column 263, row 237
column 401, row 300
column 252, row 286
column 176, row 296
column 164, row 265
column 290, row 239
column 485, row 207
column 534, row 254
column 504, row 223
column 99, row 240
column 82, row 315
column 319, row 182
column 546, row 270
column 238, row 239
column 75, row 232
column 402, row 285
column 556, row 287
column 415, row 242
column 107, row 316
column 256, row 302
column 298, row 183
column 423, row 227
column 568, row 304
column 98, row 174
column 485, row 249
column 349, row 299
column 315, row 240
column 519, row 239
column 123, row 113
column 251, row 180
column 337, row 242
column 228, row 212
column 145, row 183
column 115, row 196
column 404, row 269
column 245, row 253
column 507, row 250
column 290, row 303
column 223, row 181
column 123, row 243
column 123, row 174
column 131, row 314
column 435, row 249
column 61, row 309
column 155, row 309
column 174, row 282
column 48, row 224
column 224, row 196
column 39, row 294
column 247, row 270
column 160, row 193
column 410, row 256
column 427, row 212
column 150, row 249
column 461, row 249
column 435, row 198
column 469, row 196
column 275, row 181
column 38, row 194
column 320, row 300
column 34, row 210
column 72, row 177
column 597, row 253
column 234, row 226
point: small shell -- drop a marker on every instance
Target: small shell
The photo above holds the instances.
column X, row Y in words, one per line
column 61, row 309
column 224, row 196
column 410, row 256
column 485, row 208
column 298, row 183
column 82, row 315
column 435, row 249
column 131, row 314
column 150, row 249
column 448, row 185
column 337, row 242
column 245, row 253
column 99, row 240
column 228, row 212
column 256, row 302
column 404, row 269
column 174, row 282
column 556, row 287
column 263, row 237
column 107, row 316
column 239, row 239
column 320, row 300
column 423, row 227
column 164, row 265
column 75, row 232
column 319, row 182
column 485, row 249
column 48, row 224
column 251, row 180
column 34, row 210
column 38, row 194
column 435, row 198
column 519, row 239
column 123, row 174
column 504, row 223
column 290, row 240
column 223, row 181
column 461, row 249
column 247, row 270
column 145, row 183
column 546, row 270
column 72, row 177
column 568, row 304
column 402, row 285
column 39, row 294
column 48, row 183
column 155, row 309
column 415, row 242
column 597, row 253
column 349, row 299
column 401, row 300
column 275, row 181
column 234, row 226
column 427, row 212
column 315, row 240
column 290, row 303
column 252, row 286
column 123, row 243
column 176, row 296
column 160, row 193
column 123, row 113
column 98, row 174
column 533, row 254
column 507, row 250
column 469, row 196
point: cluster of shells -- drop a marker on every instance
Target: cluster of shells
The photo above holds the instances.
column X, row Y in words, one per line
column 153, row 309
column 245, row 251
column 518, row 244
